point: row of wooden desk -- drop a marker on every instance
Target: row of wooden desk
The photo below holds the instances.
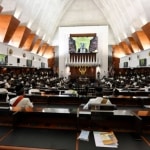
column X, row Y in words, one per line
column 63, row 111
column 91, row 91
column 77, row 118
column 119, row 100
column 122, row 100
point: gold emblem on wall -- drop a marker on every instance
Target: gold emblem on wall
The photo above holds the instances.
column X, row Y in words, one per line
column 82, row 70
column 10, row 52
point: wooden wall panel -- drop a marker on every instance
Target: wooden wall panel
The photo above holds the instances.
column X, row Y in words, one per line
column 125, row 48
column 36, row 46
column 8, row 25
column 89, row 73
column 49, row 52
column 51, row 62
column 42, row 49
column 25, row 36
column 14, row 23
column 29, row 41
column 141, row 39
column 134, row 45
column 146, row 29
column 118, row 51
column 19, row 36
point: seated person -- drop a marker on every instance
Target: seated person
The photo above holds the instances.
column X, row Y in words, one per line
column 99, row 90
column 19, row 102
column 97, row 100
column 3, row 90
column 116, row 92
column 34, row 89
column 71, row 91
column 82, row 48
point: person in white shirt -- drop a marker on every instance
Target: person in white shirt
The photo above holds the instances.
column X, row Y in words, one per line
column 7, row 83
column 34, row 88
column 3, row 90
column 97, row 100
column 20, row 101
column 71, row 91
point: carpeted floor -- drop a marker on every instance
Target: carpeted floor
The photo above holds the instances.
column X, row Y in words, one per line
column 63, row 140
column 41, row 138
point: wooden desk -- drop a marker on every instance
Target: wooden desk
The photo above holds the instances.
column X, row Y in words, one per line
column 144, row 125
column 134, row 92
column 48, row 99
column 48, row 117
column 122, row 100
column 116, row 120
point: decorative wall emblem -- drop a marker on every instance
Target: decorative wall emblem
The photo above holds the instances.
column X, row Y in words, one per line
column 24, row 54
column 82, row 70
column 10, row 51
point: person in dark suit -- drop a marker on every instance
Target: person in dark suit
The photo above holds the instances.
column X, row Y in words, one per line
column 99, row 90
column 82, row 48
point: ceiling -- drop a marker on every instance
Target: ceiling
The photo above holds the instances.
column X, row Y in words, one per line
column 44, row 17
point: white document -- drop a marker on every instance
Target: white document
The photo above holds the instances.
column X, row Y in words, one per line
column 84, row 135
column 99, row 140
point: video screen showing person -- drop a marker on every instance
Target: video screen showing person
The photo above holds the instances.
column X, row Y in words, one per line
column 83, row 43
column 3, row 59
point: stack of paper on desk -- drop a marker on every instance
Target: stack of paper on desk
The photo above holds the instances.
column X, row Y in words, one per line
column 105, row 139
column 84, row 135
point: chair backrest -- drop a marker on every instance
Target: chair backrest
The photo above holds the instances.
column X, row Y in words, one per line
column 3, row 97
column 4, row 104
column 102, row 111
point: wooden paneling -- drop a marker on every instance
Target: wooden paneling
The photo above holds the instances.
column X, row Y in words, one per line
column 20, row 36
column 51, row 62
column 25, row 36
column 90, row 72
column 141, row 39
column 134, row 45
column 36, row 46
column 42, row 49
column 49, row 52
column 28, row 43
column 146, row 29
column 118, row 51
column 126, row 48
column 8, row 25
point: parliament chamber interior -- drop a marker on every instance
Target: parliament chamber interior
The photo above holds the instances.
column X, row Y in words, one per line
column 72, row 81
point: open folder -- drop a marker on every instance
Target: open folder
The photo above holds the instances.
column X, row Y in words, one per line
column 105, row 139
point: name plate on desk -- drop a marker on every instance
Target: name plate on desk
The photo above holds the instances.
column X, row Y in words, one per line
column 56, row 110
column 84, row 112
